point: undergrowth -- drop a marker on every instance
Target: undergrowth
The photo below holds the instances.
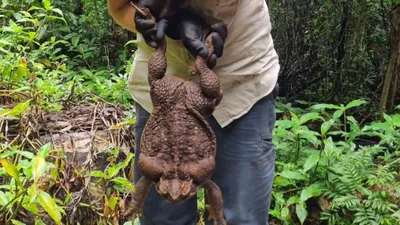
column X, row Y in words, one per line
column 332, row 167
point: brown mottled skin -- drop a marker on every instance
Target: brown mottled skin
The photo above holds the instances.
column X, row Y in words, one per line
column 177, row 145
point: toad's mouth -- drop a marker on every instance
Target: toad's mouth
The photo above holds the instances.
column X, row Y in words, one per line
column 176, row 191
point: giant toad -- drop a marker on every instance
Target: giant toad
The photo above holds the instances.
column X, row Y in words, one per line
column 177, row 145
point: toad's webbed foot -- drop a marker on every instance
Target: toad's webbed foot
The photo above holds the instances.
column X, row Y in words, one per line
column 215, row 208
column 142, row 188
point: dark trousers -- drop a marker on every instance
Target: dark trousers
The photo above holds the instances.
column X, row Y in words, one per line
column 244, row 170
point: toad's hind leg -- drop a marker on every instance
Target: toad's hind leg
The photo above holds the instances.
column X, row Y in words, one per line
column 142, row 189
column 209, row 82
column 215, row 207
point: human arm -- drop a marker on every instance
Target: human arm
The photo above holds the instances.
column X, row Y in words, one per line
column 123, row 13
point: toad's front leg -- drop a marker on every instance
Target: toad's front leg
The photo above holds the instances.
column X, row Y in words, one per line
column 209, row 82
column 215, row 209
column 142, row 189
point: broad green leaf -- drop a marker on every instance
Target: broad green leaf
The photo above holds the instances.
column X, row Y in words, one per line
column 285, row 124
column 44, row 150
column 324, row 106
column 35, row 8
column 11, row 170
column 32, row 193
column 129, row 158
column 301, row 213
column 15, row 26
column 22, row 70
column 285, row 212
column 294, row 175
column 397, row 213
column 58, row 11
column 309, row 116
column 326, row 126
column 311, row 136
column 313, row 190
column 4, row 42
column 97, row 173
column 3, row 199
column 28, row 155
column 124, row 182
column 292, row 200
column 16, row 222
column 48, row 203
column 396, row 120
column 38, row 167
column 295, row 118
column 355, row 103
column 388, row 118
column 311, row 161
column 376, row 126
column 337, row 114
column 47, row 4
column 17, row 110
column 112, row 202
column 31, row 207
column 75, row 40
column 39, row 222
column 330, row 147
column 112, row 171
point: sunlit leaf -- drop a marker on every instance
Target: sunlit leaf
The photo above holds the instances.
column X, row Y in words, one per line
column 301, row 213
column 285, row 212
column 314, row 190
column 337, row 114
column 124, row 182
column 293, row 175
column 355, row 103
column 309, row 116
column 112, row 171
column 326, row 126
column 97, row 173
column 48, row 203
column 44, row 150
column 38, row 167
column 3, row 199
column 16, row 222
column 311, row 161
column 47, row 4
column 11, row 170
column 58, row 11
column 17, row 110
column 112, row 202
column 324, row 106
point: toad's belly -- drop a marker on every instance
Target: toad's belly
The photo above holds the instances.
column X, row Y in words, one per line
column 177, row 137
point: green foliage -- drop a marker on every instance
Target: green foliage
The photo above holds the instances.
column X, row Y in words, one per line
column 320, row 160
column 27, row 183
column 55, row 53
column 44, row 59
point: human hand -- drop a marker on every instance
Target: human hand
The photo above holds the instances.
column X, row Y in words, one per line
column 160, row 10
column 193, row 32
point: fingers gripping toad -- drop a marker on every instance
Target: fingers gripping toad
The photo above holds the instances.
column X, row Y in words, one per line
column 178, row 146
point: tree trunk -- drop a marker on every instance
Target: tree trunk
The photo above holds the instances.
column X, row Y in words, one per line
column 392, row 75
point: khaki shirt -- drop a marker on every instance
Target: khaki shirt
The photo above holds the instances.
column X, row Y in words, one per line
column 248, row 69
